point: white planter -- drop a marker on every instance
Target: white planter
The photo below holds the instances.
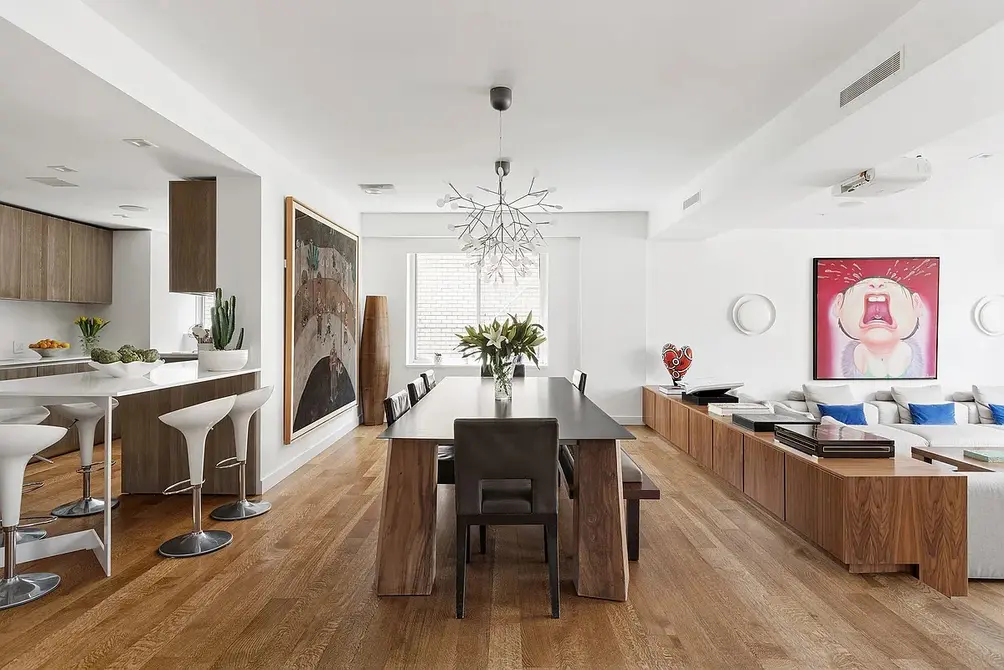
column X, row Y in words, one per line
column 225, row 360
column 137, row 369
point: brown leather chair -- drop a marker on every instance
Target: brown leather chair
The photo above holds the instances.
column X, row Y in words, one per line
column 397, row 406
column 579, row 380
column 507, row 474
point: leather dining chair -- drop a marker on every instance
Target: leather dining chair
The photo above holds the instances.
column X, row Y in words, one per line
column 397, row 406
column 417, row 390
column 506, row 474
column 579, row 380
column 430, row 379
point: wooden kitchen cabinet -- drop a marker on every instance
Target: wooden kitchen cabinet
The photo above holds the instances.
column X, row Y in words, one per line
column 34, row 242
column 57, row 259
column 90, row 264
column 10, row 252
column 192, row 236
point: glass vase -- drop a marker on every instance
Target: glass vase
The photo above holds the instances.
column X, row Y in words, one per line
column 88, row 343
column 502, row 371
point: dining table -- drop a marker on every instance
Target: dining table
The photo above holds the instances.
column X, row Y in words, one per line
column 406, row 547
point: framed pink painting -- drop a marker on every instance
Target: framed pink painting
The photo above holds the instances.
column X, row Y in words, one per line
column 875, row 318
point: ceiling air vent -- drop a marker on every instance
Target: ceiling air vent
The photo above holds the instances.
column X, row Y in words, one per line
column 377, row 189
column 691, row 201
column 51, row 181
column 891, row 66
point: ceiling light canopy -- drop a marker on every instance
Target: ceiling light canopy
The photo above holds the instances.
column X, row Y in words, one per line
column 60, row 168
column 140, row 143
column 501, row 233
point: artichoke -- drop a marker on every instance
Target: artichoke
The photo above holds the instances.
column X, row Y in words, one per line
column 126, row 347
column 129, row 355
column 149, row 355
column 105, row 356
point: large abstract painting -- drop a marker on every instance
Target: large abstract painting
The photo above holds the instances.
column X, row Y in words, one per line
column 876, row 318
column 322, row 265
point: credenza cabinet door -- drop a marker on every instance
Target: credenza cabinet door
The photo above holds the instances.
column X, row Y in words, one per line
column 763, row 475
column 90, row 264
column 10, row 253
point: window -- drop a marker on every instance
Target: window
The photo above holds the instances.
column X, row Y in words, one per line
column 446, row 295
column 206, row 303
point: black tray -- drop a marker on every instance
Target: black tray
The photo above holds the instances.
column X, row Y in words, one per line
column 762, row 422
column 828, row 440
column 706, row 398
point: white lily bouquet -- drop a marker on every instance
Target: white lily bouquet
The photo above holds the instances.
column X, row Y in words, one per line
column 499, row 345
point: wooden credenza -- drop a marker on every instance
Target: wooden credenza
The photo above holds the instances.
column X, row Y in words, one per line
column 872, row 515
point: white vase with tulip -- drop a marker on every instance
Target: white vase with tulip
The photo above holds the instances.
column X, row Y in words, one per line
column 499, row 345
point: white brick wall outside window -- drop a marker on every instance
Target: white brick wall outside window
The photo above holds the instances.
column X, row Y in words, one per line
column 446, row 295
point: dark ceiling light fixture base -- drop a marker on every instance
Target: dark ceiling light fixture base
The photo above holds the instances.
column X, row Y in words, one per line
column 501, row 97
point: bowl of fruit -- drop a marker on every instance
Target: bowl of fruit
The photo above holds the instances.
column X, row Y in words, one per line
column 50, row 348
column 128, row 361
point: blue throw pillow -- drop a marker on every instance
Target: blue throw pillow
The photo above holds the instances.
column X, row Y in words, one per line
column 933, row 415
column 852, row 415
column 998, row 414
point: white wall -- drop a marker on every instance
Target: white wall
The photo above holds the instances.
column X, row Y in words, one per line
column 692, row 286
column 29, row 322
column 596, row 300
column 171, row 314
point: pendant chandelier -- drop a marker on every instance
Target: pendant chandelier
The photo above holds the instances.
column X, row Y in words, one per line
column 501, row 234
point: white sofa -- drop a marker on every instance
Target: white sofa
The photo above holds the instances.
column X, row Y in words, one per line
column 985, row 507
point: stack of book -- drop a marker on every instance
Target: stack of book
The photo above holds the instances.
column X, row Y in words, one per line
column 728, row 409
column 671, row 390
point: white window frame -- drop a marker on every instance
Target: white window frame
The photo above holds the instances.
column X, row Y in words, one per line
column 411, row 357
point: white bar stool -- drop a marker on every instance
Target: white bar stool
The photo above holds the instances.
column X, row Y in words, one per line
column 85, row 416
column 18, row 443
column 244, row 408
column 195, row 422
column 27, row 416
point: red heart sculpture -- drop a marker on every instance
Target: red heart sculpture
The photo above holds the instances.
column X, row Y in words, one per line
column 677, row 360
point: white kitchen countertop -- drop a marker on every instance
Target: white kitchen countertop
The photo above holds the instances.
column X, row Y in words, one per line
column 98, row 385
column 31, row 362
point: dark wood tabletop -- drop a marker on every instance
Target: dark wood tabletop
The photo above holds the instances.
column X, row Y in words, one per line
column 532, row 397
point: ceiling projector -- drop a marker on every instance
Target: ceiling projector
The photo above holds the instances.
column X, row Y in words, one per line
column 893, row 177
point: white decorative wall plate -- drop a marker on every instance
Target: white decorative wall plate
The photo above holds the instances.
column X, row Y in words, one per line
column 989, row 315
column 753, row 314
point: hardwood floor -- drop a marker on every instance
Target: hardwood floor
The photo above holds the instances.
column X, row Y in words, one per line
column 719, row 584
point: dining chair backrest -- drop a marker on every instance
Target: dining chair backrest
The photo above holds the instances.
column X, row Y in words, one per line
column 579, row 380
column 506, row 449
column 396, row 406
column 430, row 379
column 417, row 390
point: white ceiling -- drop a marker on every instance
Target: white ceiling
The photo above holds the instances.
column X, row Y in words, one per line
column 53, row 112
column 615, row 103
column 964, row 191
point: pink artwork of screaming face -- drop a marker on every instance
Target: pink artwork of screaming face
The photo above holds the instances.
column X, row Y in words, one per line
column 876, row 318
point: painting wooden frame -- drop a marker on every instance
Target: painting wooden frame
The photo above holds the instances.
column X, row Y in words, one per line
column 905, row 318
column 321, row 311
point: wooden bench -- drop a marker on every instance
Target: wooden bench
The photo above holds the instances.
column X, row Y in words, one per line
column 637, row 487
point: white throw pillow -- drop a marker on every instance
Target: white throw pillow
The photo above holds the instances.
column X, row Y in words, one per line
column 918, row 395
column 828, row 395
column 986, row 396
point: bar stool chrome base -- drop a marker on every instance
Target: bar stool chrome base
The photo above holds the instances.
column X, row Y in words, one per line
column 23, row 589
column 240, row 510
column 26, row 536
column 196, row 543
column 83, row 507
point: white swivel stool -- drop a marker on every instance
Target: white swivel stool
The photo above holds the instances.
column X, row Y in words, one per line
column 18, row 443
column 195, row 422
column 85, row 416
column 244, row 408
column 28, row 416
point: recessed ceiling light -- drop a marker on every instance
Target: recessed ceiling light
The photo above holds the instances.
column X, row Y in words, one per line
column 981, row 156
column 850, row 203
column 121, row 216
column 140, row 143
column 377, row 189
column 60, row 168
column 134, row 208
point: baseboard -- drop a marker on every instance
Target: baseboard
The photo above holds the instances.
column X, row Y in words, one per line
column 629, row 420
column 304, row 457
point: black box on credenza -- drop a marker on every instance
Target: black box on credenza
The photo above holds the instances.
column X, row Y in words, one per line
column 707, row 397
column 765, row 423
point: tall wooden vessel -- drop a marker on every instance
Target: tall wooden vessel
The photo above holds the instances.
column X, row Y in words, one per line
column 374, row 359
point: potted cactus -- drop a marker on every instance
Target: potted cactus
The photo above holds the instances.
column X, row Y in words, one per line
column 224, row 323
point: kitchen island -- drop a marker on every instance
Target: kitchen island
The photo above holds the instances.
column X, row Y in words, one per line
column 150, row 451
